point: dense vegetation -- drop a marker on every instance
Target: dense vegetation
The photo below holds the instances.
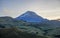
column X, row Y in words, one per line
column 15, row 33
column 10, row 28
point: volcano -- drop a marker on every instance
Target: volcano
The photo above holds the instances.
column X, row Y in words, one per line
column 30, row 16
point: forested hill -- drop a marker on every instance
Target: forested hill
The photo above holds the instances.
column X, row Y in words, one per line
column 9, row 27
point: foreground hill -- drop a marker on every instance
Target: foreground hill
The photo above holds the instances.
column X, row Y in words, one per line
column 41, row 29
column 6, row 21
column 15, row 33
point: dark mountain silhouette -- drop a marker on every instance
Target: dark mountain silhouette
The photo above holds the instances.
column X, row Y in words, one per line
column 6, row 21
column 30, row 16
column 55, row 23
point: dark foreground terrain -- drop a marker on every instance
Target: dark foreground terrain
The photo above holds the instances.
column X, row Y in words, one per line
column 14, row 33
column 11, row 28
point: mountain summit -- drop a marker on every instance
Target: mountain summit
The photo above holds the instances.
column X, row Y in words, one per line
column 30, row 16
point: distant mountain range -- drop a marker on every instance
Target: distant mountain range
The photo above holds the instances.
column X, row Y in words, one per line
column 29, row 17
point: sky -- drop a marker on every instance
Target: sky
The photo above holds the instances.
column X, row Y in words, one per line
column 49, row 9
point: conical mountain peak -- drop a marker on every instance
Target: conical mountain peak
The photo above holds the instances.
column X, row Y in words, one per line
column 30, row 12
column 30, row 16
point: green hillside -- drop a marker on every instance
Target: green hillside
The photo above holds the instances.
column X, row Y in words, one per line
column 11, row 28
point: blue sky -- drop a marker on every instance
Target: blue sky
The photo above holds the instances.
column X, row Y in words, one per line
column 46, row 8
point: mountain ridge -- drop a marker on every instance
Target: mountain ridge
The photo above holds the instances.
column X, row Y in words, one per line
column 30, row 16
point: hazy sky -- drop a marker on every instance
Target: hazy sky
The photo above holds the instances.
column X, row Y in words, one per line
column 46, row 8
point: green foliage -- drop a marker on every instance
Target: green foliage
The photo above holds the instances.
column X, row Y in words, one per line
column 10, row 28
column 15, row 33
